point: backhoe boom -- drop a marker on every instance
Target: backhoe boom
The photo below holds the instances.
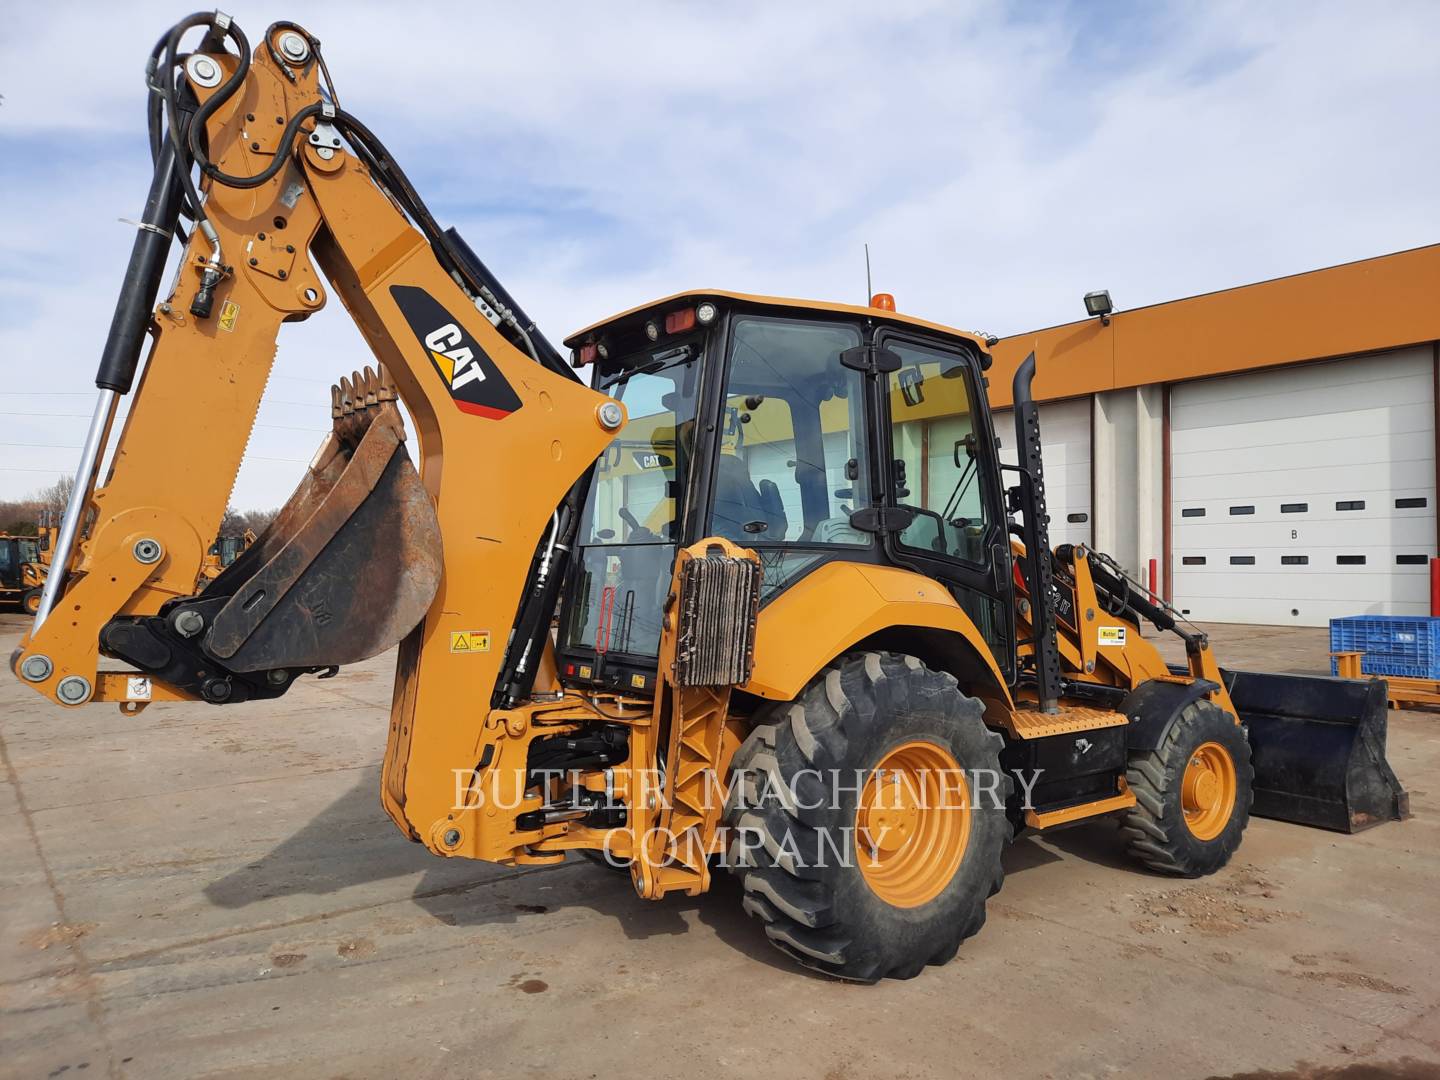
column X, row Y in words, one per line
column 355, row 560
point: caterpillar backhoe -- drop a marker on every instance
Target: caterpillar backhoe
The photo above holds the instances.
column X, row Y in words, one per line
column 755, row 598
column 25, row 561
column 21, row 574
column 224, row 551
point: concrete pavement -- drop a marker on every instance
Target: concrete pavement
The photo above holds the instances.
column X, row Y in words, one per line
column 198, row 891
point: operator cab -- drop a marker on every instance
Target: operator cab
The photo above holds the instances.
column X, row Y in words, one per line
column 809, row 432
column 15, row 552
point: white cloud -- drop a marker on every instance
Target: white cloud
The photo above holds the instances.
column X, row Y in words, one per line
column 999, row 160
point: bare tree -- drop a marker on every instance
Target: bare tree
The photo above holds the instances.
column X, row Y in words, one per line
column 57, row 496
column 259, row 520
column 233, row 523
column 20, row 517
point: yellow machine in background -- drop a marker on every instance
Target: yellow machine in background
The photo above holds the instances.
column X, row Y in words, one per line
column 224, row 551
column 21, row 573
column 804, row 629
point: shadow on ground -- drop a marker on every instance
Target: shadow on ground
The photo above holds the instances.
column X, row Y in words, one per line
column 352, row 842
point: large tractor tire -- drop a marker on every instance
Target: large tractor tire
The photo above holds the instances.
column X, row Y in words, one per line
column 1192, row 795
column 30, row 601
column 867, row 819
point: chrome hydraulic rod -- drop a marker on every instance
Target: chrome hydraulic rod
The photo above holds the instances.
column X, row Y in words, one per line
column 105, row 406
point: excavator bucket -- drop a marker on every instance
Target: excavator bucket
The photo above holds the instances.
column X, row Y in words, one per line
column 1318, row 747
column 352, row 561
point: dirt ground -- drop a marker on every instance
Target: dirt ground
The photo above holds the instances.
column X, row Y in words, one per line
column 198, row 891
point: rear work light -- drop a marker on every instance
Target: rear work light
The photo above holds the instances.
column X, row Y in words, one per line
column 586, row 356
column 677, row 322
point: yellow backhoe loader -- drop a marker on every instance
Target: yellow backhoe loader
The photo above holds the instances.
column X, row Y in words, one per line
column 756, row 598
column 224, row 551
column 21, row 574
column 34, row 554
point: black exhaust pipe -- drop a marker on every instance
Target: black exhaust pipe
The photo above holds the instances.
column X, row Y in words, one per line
column 1036, row 566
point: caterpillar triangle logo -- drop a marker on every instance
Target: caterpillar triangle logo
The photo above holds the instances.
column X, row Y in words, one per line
column 476, row 385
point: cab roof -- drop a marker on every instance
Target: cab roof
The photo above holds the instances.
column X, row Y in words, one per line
column 880, row 315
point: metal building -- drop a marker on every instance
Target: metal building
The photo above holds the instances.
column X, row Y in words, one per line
column 1271, row 447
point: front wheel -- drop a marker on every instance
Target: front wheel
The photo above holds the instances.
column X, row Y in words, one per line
column 1192, row 795
column 867, row 819
column 30, row 601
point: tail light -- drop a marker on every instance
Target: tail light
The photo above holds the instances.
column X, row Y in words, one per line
column 677, row 322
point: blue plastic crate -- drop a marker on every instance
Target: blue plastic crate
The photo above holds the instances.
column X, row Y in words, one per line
column 1391, row 644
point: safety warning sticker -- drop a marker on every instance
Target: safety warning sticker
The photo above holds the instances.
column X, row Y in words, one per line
column 470, row 641
column 229, row 316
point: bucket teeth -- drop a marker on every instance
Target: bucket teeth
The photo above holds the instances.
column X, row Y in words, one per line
column 356, row 399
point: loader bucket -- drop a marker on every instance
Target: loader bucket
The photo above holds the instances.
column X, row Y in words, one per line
column 1318, row 747
column 350, row 564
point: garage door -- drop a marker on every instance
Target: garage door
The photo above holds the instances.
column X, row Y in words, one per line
column 1305, row 493
column 1065, row 446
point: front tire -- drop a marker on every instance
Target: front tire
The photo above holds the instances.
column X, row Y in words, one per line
column 30, row 601
column 858, row 874
column 1192, row 795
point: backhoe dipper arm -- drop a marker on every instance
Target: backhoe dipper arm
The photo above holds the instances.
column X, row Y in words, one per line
column 285, row 215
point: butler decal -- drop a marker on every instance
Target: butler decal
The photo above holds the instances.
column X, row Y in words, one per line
column 476, row 385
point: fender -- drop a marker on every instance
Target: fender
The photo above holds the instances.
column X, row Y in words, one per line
column 1153, row 706
column 804, row 629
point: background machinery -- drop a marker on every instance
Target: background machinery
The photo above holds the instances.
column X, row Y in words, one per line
column 805, row 630
column 21, row 573
column 224, row 551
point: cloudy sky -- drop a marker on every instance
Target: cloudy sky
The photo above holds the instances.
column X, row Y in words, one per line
column 1000, row 159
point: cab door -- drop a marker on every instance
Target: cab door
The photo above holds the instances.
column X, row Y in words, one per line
column 942, row 472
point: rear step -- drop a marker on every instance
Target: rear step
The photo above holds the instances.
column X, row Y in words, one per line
column 1318, row 746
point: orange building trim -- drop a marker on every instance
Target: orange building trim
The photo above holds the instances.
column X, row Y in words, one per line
column 1387, row 302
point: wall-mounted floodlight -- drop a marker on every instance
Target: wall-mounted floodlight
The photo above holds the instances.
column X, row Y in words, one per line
column 1098, row 303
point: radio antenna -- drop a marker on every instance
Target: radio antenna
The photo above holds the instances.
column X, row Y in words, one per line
column 868, row 291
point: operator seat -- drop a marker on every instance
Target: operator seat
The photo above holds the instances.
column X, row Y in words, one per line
column 738, row 502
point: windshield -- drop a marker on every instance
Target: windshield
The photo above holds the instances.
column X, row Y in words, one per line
column 632, row 516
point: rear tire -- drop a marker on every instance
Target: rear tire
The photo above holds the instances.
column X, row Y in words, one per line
column 800, row 864
column 30, row 601
column 1184, row 823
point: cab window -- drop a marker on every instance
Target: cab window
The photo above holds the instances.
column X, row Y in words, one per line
column 938, row 458
column 791, row 465
column 632, row 517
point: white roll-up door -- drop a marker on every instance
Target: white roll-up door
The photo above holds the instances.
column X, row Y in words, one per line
column 1305, row 493
column 1065, row 449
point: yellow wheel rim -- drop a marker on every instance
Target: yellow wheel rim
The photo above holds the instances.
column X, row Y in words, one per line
column 32, row 604
column 912, row 824
column 1207, row 791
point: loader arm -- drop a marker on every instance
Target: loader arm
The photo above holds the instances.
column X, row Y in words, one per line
column 354, row 563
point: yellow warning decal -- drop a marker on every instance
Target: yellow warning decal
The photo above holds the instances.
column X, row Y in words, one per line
column 469, row 641
column 584, row 672
column 1111, row 635
column 229, row 316
column 637, row 681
